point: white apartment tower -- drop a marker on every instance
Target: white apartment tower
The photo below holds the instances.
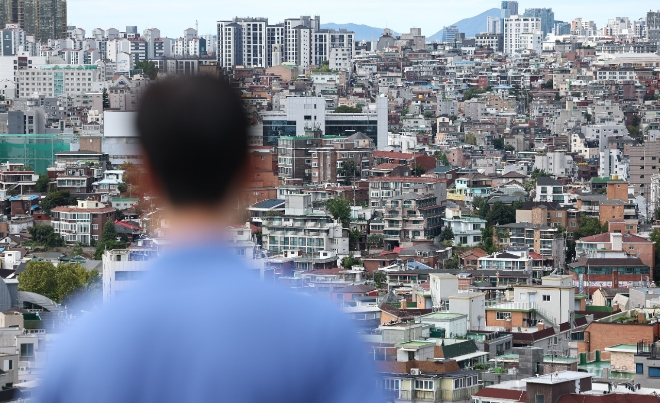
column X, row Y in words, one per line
column 297, row 40
column 514, row 28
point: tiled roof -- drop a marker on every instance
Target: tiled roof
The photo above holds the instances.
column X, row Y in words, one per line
column 387, row 166
column 393, row 154
column 605, row 238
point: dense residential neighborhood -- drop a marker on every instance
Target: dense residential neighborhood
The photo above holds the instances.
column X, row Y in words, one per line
column 482, row 208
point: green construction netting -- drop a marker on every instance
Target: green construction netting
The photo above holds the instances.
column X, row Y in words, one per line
column 37, row 151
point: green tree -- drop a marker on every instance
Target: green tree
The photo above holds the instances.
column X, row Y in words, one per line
column 56, row 199
column 588, row 226
column 42, row 183
column 447, row 234
column 323, row 68
column 537, row 173
column 109, row 232
column 509, row 147
column 58, row 283
column 350, row 261
column 498, row 143
column 106, row 99
column 451, row 263
column 122, row 187
column 428, row 114
column 119, row 215
column 470, row 138
column 340, row 209
column 487, row 240
column 348, row 170
column 374, row 240
column 380, row 278
column 354, row 238
column 347, row 109
column 548, row 84
column 45, row 235
column 148, row 67
column 418, row 170
column 108, row 240
column 442, row 158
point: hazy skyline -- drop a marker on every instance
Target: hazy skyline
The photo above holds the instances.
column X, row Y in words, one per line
column 172, row 17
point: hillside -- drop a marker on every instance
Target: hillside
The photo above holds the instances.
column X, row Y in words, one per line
column 470, row 26
column 362, row 32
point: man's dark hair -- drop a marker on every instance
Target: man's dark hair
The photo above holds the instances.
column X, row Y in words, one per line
column 194, row 132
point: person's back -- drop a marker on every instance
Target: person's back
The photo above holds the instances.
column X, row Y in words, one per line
column 198, row 327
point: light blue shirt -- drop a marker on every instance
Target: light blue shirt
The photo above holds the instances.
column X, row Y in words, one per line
column 200, row 328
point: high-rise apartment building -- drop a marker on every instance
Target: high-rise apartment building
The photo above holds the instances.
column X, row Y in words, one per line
column 493, row 25
column 515, row 30
column 449, row 33
column 546, row 15
column 45, row 19
column 508, row 9
column 251, row 42
column 652, row 31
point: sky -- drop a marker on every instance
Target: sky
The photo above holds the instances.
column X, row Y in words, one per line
column 172, row 17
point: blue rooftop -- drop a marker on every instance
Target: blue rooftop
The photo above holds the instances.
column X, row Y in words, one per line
column 24, row 197
column 269, row 204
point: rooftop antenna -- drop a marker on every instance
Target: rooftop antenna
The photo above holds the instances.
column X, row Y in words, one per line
column 196, row 27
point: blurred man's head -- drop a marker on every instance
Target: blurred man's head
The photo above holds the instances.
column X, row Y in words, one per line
column 194, row 134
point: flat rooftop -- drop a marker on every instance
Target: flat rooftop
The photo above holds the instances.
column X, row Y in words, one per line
column 559, row 377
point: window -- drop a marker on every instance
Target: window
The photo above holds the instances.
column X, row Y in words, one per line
column 577, row 336
column 639, row 368
column 95, row 226
column 503, row 315
column 391, row 384
column 654, row 372
column 539, row 399
column 424, row 385
column 558, row 215
column 546, row 298
column 27, row 350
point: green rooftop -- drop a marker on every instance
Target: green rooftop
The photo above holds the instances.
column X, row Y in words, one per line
column 623, row 348
column 413, row 344
column 442, row 315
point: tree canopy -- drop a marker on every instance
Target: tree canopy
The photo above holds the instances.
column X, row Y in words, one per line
column 58, row 283
column 340, row 209
column 442, row 158
column 418, row 170
column 56, row 199
column 108, row 240
column 498, row 143
column 42, row 183
column 347, row 109
column 45, row 235
column 348, row 170
column 447, row 234
column 148, row 67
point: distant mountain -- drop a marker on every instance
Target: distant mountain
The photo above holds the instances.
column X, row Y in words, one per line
column 470, row 26
column 362, row 32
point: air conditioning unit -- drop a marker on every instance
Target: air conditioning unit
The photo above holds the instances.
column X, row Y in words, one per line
column 415, row 371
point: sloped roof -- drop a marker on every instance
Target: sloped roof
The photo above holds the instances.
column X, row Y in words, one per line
column 269, row 204
column 546, row 181
column 508, row 394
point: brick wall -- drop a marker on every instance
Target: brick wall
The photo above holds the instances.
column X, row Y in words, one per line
column 609, row 212
column 397, row 367
column 516, row 319
column 602, row 335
